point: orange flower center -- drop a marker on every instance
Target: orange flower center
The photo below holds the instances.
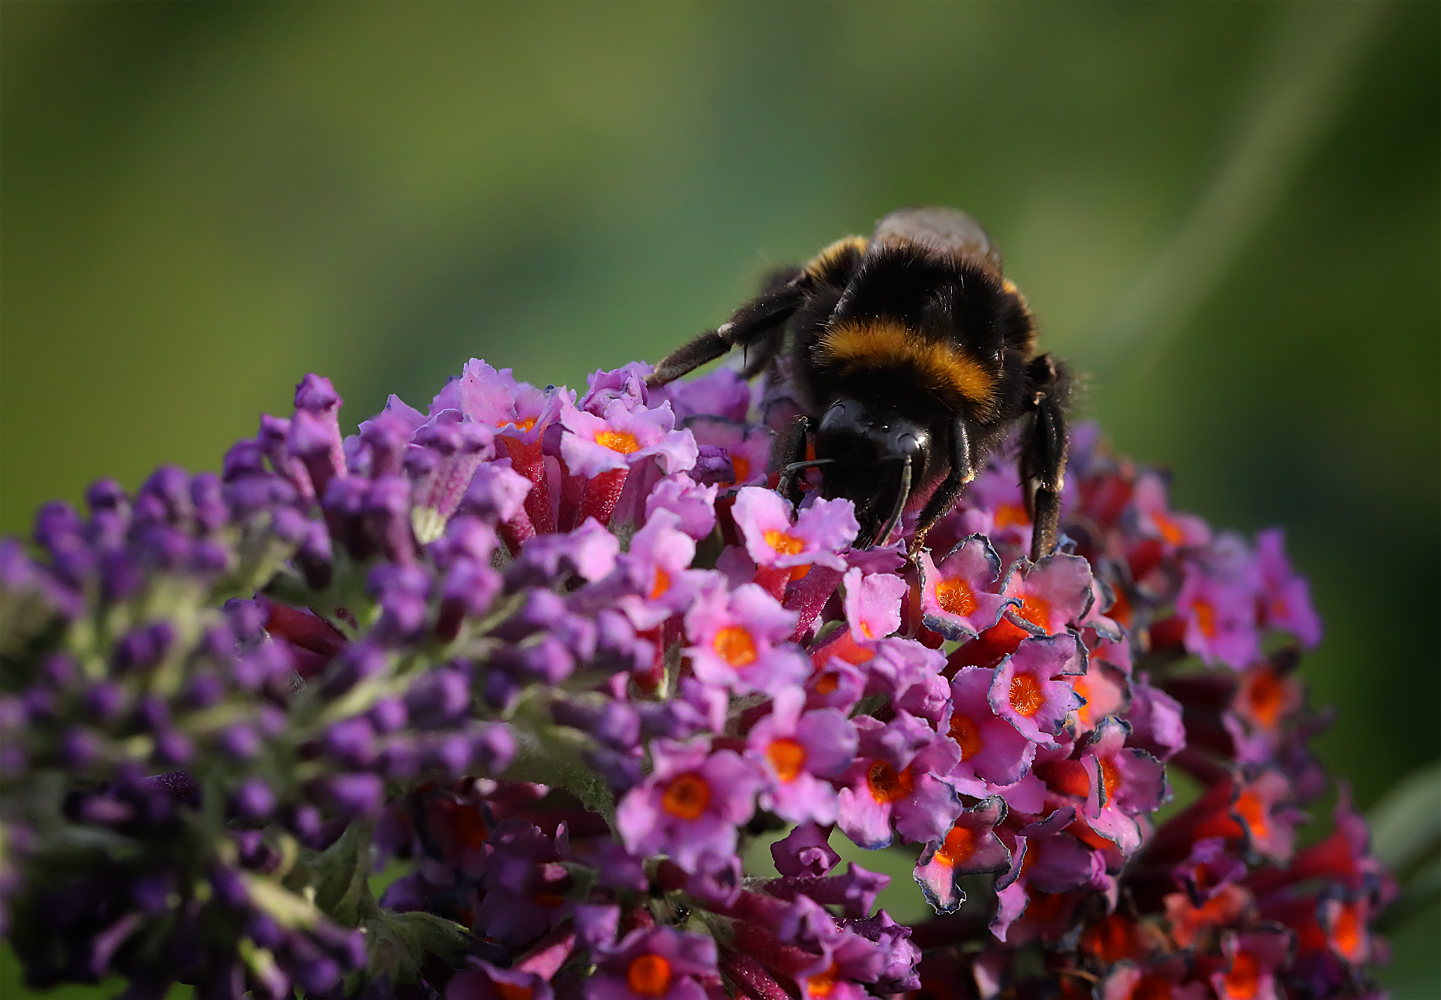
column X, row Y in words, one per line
column 824, row 984
column 735, row 645
column 965, row 732
column 827, row 683
column 742, row 467
column 787, row 757
column 887, row 784
column 1011, row 515
column 522, row 425
column 686, row 797
column 1086, row 713
column 1244, row 980
column 786, row 545
column 1110, row 777
column 1253, row 812
column 1205, row 613
column 649, row 975
column 1170, row 530
column 1348, row 933
column 661, row 585
column 955, row 597
column 959, row 845
column 1036, row 610
column 510, row 991
column 1266, row 694
column 621, row 441
column 1026, row 694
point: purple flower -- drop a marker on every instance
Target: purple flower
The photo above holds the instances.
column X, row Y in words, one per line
column 656, row 964
column 955, row 593
column 819, row 533
column 623, row 437
column 969, row 848
column 894, row 782
column 1125, row 783
column 873, row 604
column 796, row 753
column 1218, row 603
column 992, row 751
column 734, row 640
column 804, row 851
column 1052, row 594
column 1024, row 693
column 690, row 805
column 1286, row 597
column 721, row 393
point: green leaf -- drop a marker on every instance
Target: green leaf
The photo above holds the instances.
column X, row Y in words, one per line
column 342, row 873
column 399, row 943
column 1406, row 823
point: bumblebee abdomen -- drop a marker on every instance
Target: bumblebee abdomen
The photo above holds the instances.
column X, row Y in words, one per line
column 887, row 347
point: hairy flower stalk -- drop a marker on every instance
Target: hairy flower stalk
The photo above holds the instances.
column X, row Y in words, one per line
column 566, row 655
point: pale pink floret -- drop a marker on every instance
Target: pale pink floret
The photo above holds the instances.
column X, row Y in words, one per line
column 733, row 640
column 1153, row 517
column 956, row 596
column 820, row 532
column 1125, row 782
column 873, row 604
column 623, row 437
column 1052, row 594
column 1024, row 693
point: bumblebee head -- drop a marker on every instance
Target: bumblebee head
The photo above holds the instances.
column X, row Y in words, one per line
column 871, row 457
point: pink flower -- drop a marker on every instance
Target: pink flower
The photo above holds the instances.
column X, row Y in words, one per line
column 734, row 637
column 690, row 805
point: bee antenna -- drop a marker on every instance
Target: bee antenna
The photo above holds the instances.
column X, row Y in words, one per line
column 796, row 466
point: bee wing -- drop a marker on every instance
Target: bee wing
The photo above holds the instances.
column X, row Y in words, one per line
column 947, row 230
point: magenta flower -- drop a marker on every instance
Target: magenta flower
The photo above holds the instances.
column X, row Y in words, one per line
column 690, row 805
column 621, row 438
column 816, row 536
column 1024, row 694
column 721, row 393
column 734, row 640
column 970, row 848
column 747, row 448
column 956, row 599
column 796, row 752
column 873, row 603
column 1153, row 517
column 893, row 783
column 1285, row 596
column 1049, row 596
column 564, row 670
column 1125, row 783
column 658, row 567
column 993, row 751
column 656, row 964
column 693, row 504
column 1218, row 603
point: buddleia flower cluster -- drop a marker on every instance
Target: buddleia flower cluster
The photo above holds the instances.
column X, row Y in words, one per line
column 564, row 659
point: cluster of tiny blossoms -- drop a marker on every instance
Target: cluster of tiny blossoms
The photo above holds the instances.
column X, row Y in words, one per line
column 565, row 656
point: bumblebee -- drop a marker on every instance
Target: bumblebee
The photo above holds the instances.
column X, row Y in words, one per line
column 910, row 357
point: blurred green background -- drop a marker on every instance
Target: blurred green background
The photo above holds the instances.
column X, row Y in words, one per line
column 1225, row 214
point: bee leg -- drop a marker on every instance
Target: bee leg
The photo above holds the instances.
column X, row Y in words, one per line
column 1043, row 454
column 754, row 325
column 949, row 491
column 790, row 449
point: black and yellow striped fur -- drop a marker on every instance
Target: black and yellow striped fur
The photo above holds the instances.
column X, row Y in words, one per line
column 910, row 357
